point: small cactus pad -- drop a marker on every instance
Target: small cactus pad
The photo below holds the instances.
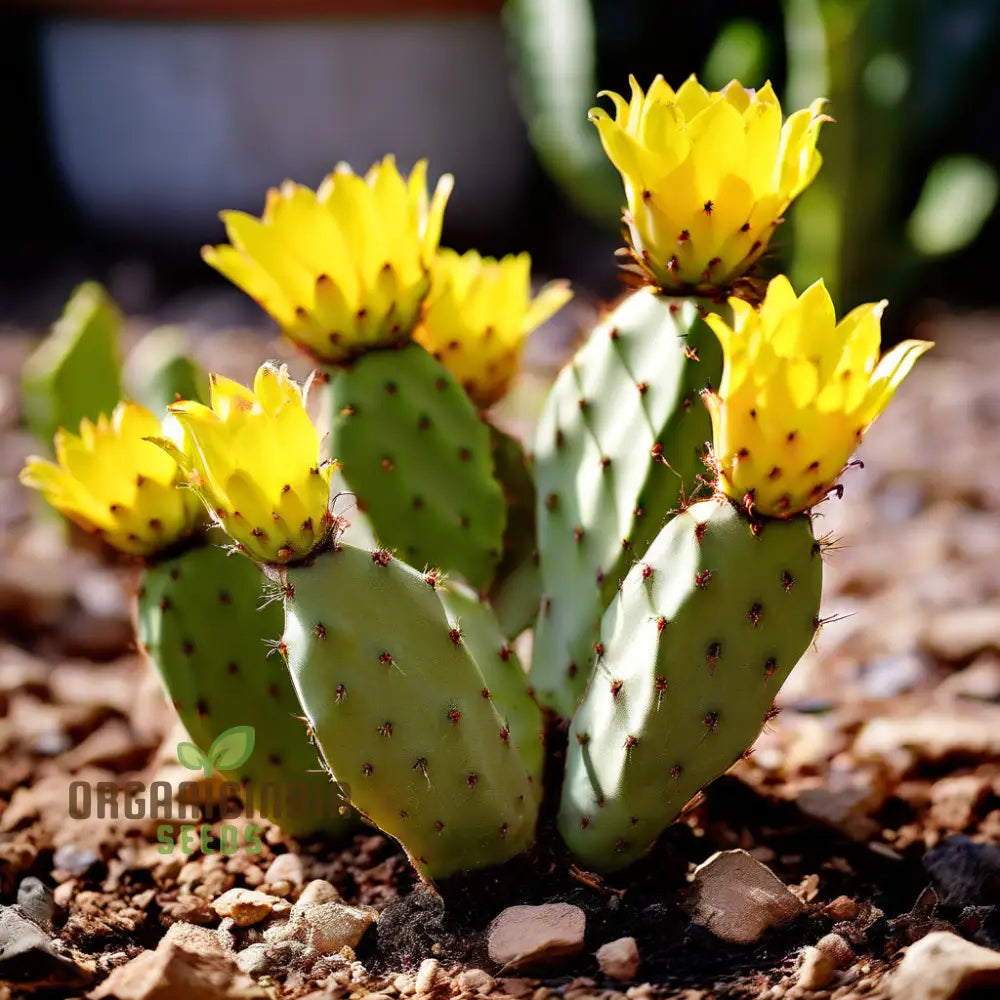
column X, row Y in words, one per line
column 414, row 450
column 517, row 585
column 618, row 445
column 74, row 373
column 160, row 370
column 201, row 623
column 691, row 655
column 402, row 712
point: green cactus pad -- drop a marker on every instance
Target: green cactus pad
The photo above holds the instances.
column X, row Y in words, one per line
column 201, row 623
column 414, row 450
column 74, row 373
column 691, row 655
column 618, row 447
column 402, row 712
column 503, row 672
column 517, row 585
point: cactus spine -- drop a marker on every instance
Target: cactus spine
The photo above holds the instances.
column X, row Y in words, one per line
column 619, row 445
column 201, row 624
column 414, row 450
column 690, row 657
column 403, row 713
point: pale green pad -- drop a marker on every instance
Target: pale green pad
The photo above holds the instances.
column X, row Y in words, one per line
column 201, row 623
column 503, row 672
column 602, row 495
column 517, row 585
column 703, row 634
column 416, row 454
column 74, row 373
column 403, row 713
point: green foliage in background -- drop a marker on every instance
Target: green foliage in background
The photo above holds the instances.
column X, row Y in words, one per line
column 898, row 75
column 901, row 77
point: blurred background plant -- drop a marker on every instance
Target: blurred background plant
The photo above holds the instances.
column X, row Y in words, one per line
column 906, row 200
column 135, row 122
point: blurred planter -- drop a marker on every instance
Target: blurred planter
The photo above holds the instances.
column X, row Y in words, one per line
column 162, row 112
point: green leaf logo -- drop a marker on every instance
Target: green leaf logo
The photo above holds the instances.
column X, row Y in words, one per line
column 192, row 758
column 232, row 748
column 229, row 750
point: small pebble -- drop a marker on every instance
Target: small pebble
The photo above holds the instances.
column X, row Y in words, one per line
column 842, row 908
column 476, row 980
column 517, row 988
column 404, row 984
column 74, row 859
column 286, row 868
column 838, row 949
column 245, row 906
column 619, row 959
column 816, row 970
column 35, row 900
column 317, row 892
column 427, row 975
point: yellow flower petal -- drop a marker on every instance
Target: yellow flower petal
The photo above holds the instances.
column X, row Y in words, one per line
column 110, row 480
column 477, row 316
column 252, row 457
column 798, row 391
column 707, row 176
column 343, row 269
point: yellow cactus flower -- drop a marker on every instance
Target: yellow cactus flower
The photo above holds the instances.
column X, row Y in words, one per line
column 112, row 482
column 342, row 269
column 478, row 315
column 798, row 392
column 253, row 458
column 707, row 176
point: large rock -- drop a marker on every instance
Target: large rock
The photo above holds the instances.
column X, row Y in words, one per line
column 964, row 872
column 329, row 927
column 29, row 958
column 526, row 936
column 172, row 972
column 737, row 898
column 943, row 965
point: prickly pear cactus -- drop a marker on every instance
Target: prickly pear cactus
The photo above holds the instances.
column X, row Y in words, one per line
column 618, row 447
column 74, row 373
column 403, row 713
column 415, row 452
column 691, row 655
column 201, row 623
column 517, row 586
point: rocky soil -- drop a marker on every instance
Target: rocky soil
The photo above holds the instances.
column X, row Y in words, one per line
column 860, row 842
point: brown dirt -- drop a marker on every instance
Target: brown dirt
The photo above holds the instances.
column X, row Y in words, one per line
column 887, row 748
